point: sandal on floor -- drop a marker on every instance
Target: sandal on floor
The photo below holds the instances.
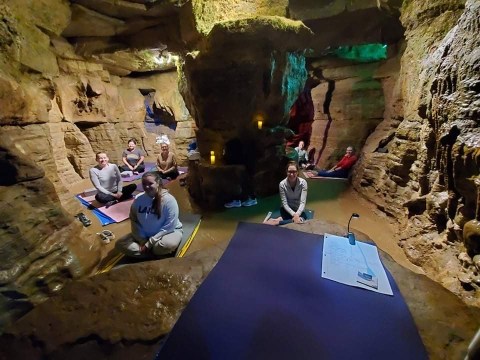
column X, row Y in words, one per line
column 84, row 220
column 106, row 236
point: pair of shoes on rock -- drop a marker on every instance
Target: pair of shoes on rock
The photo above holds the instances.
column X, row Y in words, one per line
column 106, row 236
column 238, row 203
column 84, row 220
column 110, row 203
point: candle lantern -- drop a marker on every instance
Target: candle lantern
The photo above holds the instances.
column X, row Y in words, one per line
column 212, row 157
column 260, row 124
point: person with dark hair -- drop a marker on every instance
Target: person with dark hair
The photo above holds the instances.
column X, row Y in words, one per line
column 343, row 166
column 293, row 194
column 133, row 158
column 156, row 229
column 107, row 180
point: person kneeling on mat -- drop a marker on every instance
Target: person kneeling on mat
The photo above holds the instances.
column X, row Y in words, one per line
column 293, row 194
column 156, row 229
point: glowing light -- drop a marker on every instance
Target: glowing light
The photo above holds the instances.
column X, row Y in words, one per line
column 259, row 118
column 212, row 157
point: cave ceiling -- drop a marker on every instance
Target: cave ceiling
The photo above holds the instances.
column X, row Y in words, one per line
column 111, row 31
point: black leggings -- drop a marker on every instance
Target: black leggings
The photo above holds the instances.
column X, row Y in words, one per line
column 140, row 168
column 127, row 192
column 173, row 174
column 287, row 218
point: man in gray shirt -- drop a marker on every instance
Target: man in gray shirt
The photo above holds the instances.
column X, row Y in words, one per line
column 107, row 180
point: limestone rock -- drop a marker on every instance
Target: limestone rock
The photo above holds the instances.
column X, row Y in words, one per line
column 311, row 9
column 471, row 237
column 432, row 149
column 86, row 22
column 202, row 15
column 146, row 298
column 476, row 262
column 42, row 247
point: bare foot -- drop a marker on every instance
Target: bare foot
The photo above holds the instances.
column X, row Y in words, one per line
column 274, row 222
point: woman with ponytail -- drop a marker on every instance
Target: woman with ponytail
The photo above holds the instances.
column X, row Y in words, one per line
column 156, row 229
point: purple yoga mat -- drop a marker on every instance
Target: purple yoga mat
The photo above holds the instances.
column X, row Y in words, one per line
column 266, row 299
column 148, row 167
column 118, row 212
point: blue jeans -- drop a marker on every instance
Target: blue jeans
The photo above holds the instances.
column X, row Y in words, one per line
column 342, row 173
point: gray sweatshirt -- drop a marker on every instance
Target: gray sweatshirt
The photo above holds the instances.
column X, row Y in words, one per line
column 107, row 180
column 293, row 200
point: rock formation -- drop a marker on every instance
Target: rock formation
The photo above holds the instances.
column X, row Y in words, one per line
column 426, row 180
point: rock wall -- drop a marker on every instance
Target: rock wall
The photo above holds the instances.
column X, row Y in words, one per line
column 349, row 103
column 427, row 181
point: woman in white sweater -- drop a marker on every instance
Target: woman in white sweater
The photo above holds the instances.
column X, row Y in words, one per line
column 156, row 229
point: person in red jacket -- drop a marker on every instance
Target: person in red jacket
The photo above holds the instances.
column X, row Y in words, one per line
column 343, row 166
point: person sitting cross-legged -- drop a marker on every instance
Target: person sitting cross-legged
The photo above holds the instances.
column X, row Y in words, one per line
column 343, row 166
column 107, row 180
column 293, row 194
column 302, row 154
column 167, row 163
column 133, row 158
column 156, row 229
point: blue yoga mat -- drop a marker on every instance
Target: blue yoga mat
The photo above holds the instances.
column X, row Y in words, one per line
column 266, row 299
column 104, row 219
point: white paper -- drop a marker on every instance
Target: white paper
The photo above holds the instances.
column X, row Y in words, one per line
column 355, row 265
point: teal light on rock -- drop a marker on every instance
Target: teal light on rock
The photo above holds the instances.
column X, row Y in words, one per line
column 361, row 53
column 294, row 78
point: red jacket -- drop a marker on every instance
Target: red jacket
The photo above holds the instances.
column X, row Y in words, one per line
column 346, row 162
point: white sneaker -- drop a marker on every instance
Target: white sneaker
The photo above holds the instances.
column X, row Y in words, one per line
column 232, row 204
column 249, row 202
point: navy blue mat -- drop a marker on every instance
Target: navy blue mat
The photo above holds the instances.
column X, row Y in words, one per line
column 266, row 299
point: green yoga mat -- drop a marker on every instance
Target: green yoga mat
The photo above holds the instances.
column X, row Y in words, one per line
column 276, row 213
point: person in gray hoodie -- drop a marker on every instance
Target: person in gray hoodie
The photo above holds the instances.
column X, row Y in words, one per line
column 155, row 227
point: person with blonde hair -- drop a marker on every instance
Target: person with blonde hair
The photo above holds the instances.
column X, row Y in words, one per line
column 167, row 163
column 155, row 227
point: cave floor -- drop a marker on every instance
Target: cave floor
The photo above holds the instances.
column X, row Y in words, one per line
column 332, row 200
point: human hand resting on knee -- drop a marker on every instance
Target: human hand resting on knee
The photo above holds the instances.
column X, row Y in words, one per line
column 297, row 219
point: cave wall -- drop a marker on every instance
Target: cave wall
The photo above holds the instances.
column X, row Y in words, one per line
column 427, row 178
column 349, row 103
